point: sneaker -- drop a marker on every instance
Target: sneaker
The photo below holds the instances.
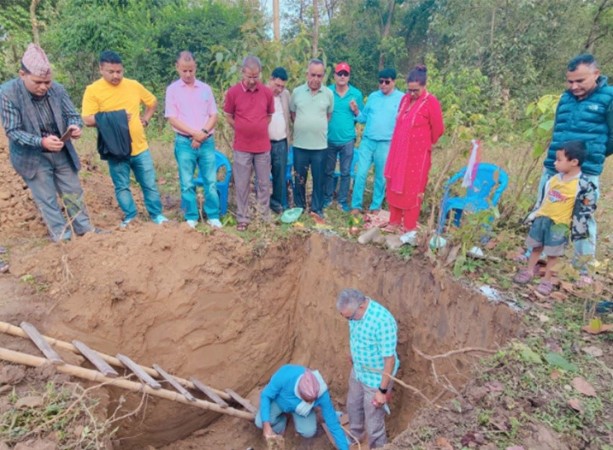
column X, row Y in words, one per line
column 125, row 223
column 215, row 223
column 191, row 223
column 160, row 219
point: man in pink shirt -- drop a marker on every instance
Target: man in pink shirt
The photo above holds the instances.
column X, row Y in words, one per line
column 192, row 112
column 249, row 107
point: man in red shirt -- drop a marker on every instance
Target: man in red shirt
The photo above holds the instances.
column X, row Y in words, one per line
column 249, row 107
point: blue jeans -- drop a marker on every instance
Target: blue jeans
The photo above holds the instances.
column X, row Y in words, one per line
column 278, row 161
column 188, row 159
column 56, row 175
column 345, row 151
column 305, row 426
column 317, row 160
column 370, row 152
column 142, row 166
column 583, row 247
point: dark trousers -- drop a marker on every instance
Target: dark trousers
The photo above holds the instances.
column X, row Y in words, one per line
column 345, row 153
column 278, row 161
column 316, row 159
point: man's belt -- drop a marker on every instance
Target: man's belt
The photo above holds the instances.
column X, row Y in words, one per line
column 280, row 140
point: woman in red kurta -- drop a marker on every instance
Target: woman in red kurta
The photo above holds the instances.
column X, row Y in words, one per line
column 419, row 124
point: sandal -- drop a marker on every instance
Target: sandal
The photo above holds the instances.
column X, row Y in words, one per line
column 391, row 227
column 545, row 287
column 584, row 281
column 524, row 276
column 241, row 227
column 317, row 218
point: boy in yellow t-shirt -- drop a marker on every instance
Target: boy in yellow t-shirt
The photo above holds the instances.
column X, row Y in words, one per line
column 553, row 217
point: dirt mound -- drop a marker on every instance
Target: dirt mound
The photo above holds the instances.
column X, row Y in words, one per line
column 18, row 214
column 228, row 313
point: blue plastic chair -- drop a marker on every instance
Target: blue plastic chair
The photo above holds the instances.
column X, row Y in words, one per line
column 491, row 181
column 223, row 186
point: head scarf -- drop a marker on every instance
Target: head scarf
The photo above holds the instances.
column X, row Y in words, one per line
column 36, row 62
column 308, row 386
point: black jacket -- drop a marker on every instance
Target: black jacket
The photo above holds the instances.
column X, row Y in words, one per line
column 114, row 140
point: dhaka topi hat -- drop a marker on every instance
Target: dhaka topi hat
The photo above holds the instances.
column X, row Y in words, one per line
column 36, row 62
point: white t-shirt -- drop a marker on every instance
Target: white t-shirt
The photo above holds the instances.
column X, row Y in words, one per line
column 277, row 127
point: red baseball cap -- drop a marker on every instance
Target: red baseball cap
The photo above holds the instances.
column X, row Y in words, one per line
column 342, row 66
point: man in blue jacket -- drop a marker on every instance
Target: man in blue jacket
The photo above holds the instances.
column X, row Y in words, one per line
column 584, row 113
column 297, row 390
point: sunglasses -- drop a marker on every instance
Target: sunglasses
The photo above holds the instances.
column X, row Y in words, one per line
column 413, row 91
column 342, row 73
column 382, row 81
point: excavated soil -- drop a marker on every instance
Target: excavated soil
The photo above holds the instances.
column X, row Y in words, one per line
column 229, row 312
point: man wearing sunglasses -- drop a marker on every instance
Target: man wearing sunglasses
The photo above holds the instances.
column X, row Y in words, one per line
column 373, row 335
column 379, row 115
column 341, row 134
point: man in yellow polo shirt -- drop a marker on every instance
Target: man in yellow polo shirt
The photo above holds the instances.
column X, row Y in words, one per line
column 110, row 94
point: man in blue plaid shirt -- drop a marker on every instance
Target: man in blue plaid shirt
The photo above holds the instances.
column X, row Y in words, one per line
column 372, row 341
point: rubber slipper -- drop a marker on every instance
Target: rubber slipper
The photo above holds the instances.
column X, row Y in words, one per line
column 545, row 287
column 524, row 276
column 241, row 227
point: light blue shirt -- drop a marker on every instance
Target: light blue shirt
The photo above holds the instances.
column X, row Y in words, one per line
column 341, row 128
column 379, row 115
column 371, row 339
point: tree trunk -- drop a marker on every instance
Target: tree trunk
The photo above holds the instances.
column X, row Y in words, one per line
column 276, row 20
column 386, row 30
column 315, row 28
column 35, row 33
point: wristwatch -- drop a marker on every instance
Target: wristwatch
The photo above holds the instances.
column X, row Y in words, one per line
column 205, row 131
column 383, row 391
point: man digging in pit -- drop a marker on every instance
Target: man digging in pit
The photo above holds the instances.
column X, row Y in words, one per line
column 372, row 341
column 297, row 390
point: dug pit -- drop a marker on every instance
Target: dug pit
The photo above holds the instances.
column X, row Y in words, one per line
column 230, row 313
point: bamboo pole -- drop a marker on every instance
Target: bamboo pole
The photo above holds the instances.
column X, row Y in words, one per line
column 16, row 331
column 93, row 375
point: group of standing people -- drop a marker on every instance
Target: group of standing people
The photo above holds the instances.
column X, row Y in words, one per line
column 320, row 121
column 324, row 132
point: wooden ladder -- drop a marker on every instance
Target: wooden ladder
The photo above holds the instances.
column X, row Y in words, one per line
column 151, row 379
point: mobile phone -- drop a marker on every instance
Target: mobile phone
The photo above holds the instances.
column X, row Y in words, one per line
column 67, row 135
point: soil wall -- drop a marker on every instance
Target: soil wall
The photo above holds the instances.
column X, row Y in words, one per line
column 229, row 314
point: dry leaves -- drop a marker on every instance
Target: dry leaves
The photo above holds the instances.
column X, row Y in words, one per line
column 605, row 328
column 559, row 296
column 583, row 387
column 576, row 404
column 443, row 444
column 593, row 351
